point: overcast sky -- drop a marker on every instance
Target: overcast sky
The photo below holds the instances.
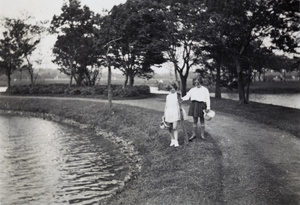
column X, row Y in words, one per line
column 43, row 10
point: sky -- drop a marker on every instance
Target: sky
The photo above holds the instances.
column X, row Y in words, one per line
column 44, row 10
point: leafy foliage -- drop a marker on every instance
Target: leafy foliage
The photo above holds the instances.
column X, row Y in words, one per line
column 138, row 26
column 64, row 89
column 75, row 51
column 20, row 40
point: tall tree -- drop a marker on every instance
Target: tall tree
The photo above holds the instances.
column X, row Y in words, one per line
column 139, row 27
column 74, row 50
column 182, row 37
column 248, row 22
column 20, row 40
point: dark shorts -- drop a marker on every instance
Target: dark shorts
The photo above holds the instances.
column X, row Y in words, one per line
column 196, row 109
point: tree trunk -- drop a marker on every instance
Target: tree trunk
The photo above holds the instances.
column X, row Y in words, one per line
column 247, row 92
column 126, row 80
column 248, row 84
column 8, row 78
column 183, row 85
column 240, row 76
column 30, row 71
column 71, row 76
column 71, row 80
column 131, row 79
column 241, row 90
column 109, row 94
column 218, row 78
column 32, row 80
column 175, row 73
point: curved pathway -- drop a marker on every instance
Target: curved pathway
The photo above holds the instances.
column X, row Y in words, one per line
column 260, row 164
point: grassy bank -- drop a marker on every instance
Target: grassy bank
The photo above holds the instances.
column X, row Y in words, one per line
column 160, row 163
column 284, row 118
column 137, row 125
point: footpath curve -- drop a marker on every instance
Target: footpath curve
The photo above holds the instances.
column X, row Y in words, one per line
column 260, row 164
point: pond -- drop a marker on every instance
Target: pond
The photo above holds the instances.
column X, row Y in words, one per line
column 291, row 100
column 43, row 162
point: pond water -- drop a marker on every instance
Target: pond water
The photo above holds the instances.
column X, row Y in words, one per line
column 291, row 100
column 42, row 162
column 3, row 89
column 287, row 100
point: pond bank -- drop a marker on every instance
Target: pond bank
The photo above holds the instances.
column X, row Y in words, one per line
column 124, row 146
column 241, row 162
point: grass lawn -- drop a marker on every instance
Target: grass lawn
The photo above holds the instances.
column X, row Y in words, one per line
column 140, row 127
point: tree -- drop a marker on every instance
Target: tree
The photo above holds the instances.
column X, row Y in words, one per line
column 214, row 51
column 75, row 51
column 20, row 40
column 139, row 27
column 282, row 64
column 31, row 38
column 182, row 38
column 248, row 22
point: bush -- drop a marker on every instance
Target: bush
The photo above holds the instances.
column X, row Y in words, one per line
column 117, row 90
column 143, row 89
column 99, row 89
column 34, row 90
column 75, row 91
column 18, row 90
column 86, row 90
column 58, row 88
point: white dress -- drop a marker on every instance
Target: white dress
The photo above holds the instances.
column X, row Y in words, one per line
column 172, row 110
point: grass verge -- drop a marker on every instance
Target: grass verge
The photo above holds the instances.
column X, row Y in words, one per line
column 161, row 166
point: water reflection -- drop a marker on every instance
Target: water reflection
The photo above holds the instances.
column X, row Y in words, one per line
column 42, row 162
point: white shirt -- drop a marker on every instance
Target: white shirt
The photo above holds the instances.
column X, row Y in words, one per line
column 198, row 94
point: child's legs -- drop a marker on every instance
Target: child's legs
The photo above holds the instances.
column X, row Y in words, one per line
column 202, row 126
column 175, row 131
column 171, row 131
column 195, row 119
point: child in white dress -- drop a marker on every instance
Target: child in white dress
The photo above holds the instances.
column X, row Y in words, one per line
column 172, row 113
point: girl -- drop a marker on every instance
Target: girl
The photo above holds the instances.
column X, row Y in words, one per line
column 200, row 98
column 172, row 113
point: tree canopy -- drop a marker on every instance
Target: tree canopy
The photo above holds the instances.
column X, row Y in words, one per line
column 20, row 40
column 75, row 51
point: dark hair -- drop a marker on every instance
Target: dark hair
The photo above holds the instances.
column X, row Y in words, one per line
column 174, row 85
column 197, row 79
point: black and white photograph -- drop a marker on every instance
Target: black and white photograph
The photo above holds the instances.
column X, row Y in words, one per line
column 149, row 102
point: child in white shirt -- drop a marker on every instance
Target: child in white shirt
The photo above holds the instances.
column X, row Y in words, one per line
column 199, row 95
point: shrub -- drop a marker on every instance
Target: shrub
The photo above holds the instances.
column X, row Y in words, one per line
column 99, row 89
column 75, row 91
column 15, row 90
column 143, row 89
column 34, row 90
column 130, row 91
column 86, row 90
column 57, row 88
column 117, row 90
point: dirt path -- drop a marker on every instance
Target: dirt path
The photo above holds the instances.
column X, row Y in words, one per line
column 259, row 164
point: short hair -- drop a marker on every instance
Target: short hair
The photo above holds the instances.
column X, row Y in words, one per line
column 199, row 79
column 174, row 85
